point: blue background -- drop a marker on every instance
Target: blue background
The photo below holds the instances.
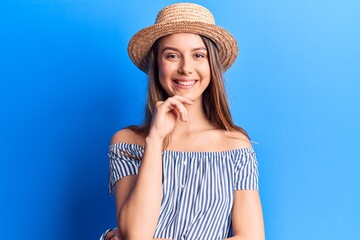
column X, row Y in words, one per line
column 67, row 84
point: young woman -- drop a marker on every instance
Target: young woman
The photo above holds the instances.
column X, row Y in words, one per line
column 188, row 172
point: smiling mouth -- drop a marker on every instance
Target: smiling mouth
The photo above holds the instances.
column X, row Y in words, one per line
column 185, row 83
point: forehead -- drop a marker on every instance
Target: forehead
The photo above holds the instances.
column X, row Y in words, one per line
column 181, row 41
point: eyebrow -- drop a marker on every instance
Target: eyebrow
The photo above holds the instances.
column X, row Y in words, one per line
column 175, row 49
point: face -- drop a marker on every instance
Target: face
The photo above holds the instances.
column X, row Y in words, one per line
column 183, row 65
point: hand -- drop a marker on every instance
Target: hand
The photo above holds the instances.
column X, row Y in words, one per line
column 165, row 115
column 113, row 235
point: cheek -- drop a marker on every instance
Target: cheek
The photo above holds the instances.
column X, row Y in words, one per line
column 165, row 72
column 204, row 67
column 162, row 70
column 205, row 70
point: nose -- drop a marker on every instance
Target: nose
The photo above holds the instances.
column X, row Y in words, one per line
column 186, row 66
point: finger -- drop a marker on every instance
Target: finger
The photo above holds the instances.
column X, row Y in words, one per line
column 113, row 234
column 110, row 235
column 116, row 237
column 159, row 103
column 176, row 105
column 183, row 99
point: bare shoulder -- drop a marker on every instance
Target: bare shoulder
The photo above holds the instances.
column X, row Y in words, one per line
column 237, row 139
column 127, row 136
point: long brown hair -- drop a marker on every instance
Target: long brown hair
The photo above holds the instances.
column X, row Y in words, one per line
column 215, row 102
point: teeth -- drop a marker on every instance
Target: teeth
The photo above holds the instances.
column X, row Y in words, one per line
column 186, row 83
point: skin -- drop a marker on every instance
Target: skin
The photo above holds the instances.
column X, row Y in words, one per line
column 184, row 73
column 182, row 58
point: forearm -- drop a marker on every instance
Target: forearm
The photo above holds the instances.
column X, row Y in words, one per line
column 140, row 212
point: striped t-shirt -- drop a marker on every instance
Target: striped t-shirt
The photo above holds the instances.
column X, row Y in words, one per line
column 197, row 189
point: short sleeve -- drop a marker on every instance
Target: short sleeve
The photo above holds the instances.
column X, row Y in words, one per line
column 246, row 171
column 121, row 164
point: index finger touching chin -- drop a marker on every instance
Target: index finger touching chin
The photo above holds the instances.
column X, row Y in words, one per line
column 183, row 99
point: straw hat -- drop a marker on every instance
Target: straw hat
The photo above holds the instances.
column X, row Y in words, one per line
column 183, row 18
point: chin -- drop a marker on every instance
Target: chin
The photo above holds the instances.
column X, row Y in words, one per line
column 188, row 95
column 192, row 97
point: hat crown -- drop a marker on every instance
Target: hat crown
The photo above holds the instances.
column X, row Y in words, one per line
column 185, row 12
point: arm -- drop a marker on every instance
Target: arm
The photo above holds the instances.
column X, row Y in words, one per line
column 122, row 190
column 138, row 199
column 247, row 218
column 138, row 215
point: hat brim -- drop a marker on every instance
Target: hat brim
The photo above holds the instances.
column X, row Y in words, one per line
column 140, row 44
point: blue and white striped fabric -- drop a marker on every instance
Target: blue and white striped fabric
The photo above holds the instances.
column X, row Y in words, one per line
column 198, row 188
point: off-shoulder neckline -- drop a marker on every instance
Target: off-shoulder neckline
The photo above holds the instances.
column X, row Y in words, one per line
column 141, row 148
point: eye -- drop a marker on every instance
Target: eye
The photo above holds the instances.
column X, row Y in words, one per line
column 200, row 55
column 171, row 55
